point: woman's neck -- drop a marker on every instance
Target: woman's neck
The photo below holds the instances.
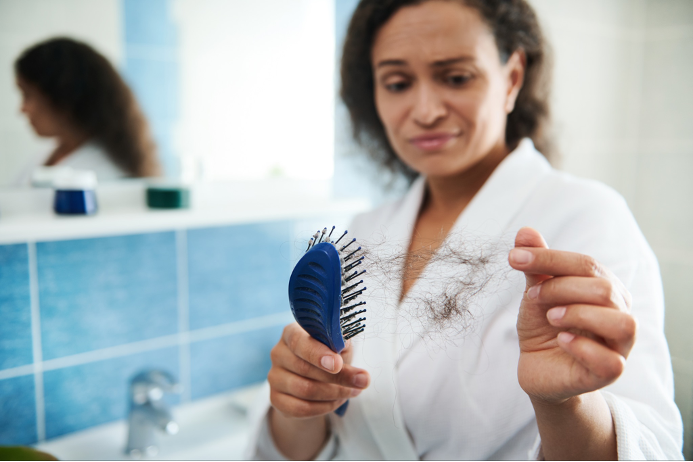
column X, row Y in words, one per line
column 67, row 144
column 450, row 195
column 444, row 201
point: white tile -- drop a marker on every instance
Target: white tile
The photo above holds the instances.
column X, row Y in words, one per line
column 664, row 207
column 600, row 12
column 683, row 386
column 595, row 89
column 667, row 92
column 669, row 13
column 678, row 298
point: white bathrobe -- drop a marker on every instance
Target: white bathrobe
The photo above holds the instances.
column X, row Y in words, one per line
column 89, row 156
column 453, row 393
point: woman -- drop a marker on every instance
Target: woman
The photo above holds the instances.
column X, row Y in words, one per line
column 452, row 94
column 72, row 93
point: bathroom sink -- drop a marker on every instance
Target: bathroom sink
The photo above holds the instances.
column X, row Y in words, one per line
column 215, row 428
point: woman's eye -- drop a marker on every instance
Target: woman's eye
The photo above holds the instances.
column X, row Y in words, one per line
column 457, row 80
column 397, row 87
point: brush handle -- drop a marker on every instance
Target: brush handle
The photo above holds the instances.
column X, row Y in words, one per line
column 342, row 409
column 315, row 296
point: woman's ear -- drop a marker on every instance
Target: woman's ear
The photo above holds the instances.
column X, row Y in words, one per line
column 515, row 71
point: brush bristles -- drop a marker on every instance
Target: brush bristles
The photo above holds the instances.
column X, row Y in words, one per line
column 349, row 320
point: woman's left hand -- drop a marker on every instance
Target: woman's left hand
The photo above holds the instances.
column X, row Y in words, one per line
column 574, row 325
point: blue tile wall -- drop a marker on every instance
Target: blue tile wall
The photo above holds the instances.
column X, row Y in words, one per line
column 151, row 68
column 95, row 393
column 148, row 22
column 103, row 292
column 17, row 411
column 231, row 362
column 107, row 292
column 156, row 84
column 238, row 272
column 15, row 307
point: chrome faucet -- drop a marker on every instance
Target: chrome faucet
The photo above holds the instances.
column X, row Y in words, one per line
column 149, row 414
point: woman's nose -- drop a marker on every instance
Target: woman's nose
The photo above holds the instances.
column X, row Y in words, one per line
column 429, row 106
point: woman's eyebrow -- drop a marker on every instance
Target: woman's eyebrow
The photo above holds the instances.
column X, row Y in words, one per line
column 439, row 63
column 447, row 62
column 391, row 62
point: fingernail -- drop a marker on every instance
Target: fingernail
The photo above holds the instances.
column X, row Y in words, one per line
column 360, row 380
column 355, row 392
column 565, row 337
column 521, row 256
column 327, row 362
column 533, row 291
column 554, row 314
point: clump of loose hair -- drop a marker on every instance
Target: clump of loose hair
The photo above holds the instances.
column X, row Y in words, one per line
column 82, row 85
column 460, row 272
column 515, row 27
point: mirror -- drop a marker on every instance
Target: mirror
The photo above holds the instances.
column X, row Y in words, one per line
column 231, row 89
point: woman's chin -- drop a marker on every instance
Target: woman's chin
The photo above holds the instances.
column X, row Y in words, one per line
column 42, row 133
column 440, row 167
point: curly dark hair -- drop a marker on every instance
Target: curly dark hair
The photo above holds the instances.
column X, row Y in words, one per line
column 82, row 84
column 514, row 25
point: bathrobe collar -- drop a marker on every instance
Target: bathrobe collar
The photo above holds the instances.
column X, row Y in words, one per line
column 487, row 216
column 489, row 213
column 500, row 199
column 379, row 402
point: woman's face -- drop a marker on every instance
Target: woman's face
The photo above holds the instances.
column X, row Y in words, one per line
column 44, row 119
column 441, row 90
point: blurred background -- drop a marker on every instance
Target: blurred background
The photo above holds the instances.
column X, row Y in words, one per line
column 244, row 92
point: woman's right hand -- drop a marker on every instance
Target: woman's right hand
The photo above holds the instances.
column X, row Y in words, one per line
column 307, row 379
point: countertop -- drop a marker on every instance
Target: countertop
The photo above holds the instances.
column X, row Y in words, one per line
column 26, row 215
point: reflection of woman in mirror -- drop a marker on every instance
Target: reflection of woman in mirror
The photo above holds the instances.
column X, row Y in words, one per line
column 71, row 92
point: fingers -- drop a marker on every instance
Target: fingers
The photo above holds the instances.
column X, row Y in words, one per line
column 296, row 407
column 604, row 364
column 349, row 376
column 347, row 353
column 295, row 385
column 617, row 328
column 568, row 290
column 528, row 237
column 302, row 385
column 541, row 264
column 555, row 262
column 307, row 348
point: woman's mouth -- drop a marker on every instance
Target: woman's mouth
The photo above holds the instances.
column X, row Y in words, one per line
column 433, row 141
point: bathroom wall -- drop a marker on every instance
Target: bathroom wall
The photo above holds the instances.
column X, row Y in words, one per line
column 81, row 317
column 256, row 76
column 664, row 200
column 623, row 106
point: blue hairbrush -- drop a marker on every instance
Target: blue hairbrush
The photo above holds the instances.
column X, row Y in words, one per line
column 323, row 292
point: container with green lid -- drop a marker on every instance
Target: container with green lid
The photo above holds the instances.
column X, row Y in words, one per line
column 168, row 197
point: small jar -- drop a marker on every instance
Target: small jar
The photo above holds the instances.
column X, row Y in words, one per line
column 168, row 194
column 75, row 193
